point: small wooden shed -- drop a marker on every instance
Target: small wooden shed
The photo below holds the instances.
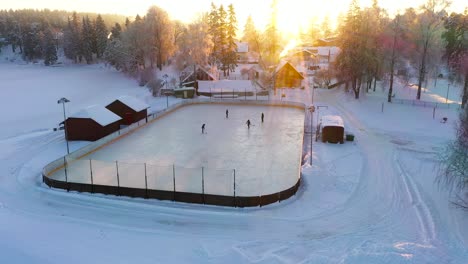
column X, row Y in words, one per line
column 91, row 124
column 332, row 129
column 286, row 75
column 129, row 108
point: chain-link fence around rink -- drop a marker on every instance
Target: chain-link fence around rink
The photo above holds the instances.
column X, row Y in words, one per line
column 172, row 178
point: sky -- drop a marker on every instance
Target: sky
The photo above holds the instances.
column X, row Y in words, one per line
column 293, row 14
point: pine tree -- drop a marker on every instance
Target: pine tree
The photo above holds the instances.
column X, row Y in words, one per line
column 87, row 40
column 101, row 36
column 116, row 31
column 31, row 42
column 231, row 51
column 50, row 51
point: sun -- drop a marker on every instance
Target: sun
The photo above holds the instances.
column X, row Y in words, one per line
column 296, row 15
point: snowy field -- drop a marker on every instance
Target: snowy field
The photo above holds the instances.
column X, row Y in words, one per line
column 370, row 201
column 266, row 157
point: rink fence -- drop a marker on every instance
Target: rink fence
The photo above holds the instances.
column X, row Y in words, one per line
column 164, row 182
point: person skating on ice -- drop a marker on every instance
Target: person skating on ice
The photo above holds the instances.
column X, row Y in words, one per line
column 227, row 113
column 248, row 123
column 263, row 116
column 203, row 129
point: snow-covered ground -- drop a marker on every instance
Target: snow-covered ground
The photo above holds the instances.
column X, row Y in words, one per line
column 370, row 201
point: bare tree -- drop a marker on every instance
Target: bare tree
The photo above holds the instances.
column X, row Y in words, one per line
column 160, row 34
column 428, row 27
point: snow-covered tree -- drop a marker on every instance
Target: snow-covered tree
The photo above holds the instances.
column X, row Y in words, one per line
column 101, row 36
column 453, row 171
column 87, row 40
column 49, row 48
column 456, row 48
column 426, row 31
column 160, row 35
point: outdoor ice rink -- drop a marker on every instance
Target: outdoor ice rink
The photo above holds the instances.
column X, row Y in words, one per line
column 266, row 158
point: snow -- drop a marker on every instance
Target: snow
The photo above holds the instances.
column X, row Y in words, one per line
column 370, row 201
column 225, row 86
column 98, row 113
column 133, row 103
column 261, row 167
column 332, row 120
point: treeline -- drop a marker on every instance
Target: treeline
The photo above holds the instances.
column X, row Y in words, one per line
column 152, row 40
column 38, row 34
column 421, row 41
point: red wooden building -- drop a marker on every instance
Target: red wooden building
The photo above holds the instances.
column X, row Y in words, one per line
column 91, row 124
column 129, row 108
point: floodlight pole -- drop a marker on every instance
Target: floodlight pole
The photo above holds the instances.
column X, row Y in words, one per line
column 448, row 89
column 62, row 101
column 318, row 115
column 312, row 110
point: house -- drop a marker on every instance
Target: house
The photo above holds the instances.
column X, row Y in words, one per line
column 190, row 75
column 242, row 52
column 91, row 123
column 286, row 75
column 327, row 54
column 304, row 54
column 332, row 129
column 129, row 108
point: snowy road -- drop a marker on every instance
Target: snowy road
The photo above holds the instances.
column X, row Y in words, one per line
column 388, row 214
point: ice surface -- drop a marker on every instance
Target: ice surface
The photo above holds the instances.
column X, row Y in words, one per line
column 266, row 158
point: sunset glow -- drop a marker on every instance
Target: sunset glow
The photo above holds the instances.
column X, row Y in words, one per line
column 293, row 15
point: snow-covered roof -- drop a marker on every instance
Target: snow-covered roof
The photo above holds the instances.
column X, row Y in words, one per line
column 324, row 51
column 242, row 47
column 332, row 120
column 133, row 103
column 189, row 72
column 98, row 113
column 225, row 85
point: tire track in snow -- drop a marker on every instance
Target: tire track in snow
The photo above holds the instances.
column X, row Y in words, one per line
column 422, row 211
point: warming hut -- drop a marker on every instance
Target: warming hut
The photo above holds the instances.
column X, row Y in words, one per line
column 91, row 123
column 129, row 108
column 286, row 75
column 332, row 129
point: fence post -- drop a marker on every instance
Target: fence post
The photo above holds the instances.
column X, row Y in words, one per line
column 91, row 171
column 235, row 202
column 173, row 181
column 65, row 169
column 146, row 183
column 118, row 178
column 203, row 184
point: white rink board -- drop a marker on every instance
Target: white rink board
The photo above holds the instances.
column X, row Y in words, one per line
column 266, row 157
